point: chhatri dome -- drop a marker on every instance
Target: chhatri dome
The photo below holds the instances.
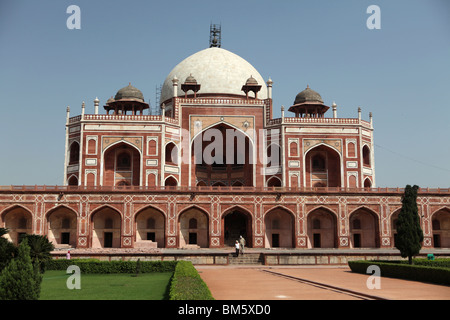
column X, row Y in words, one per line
column 218, row 71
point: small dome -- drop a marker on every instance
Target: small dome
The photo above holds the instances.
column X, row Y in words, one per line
column 110, row 100
column 308, row 95
column 129, row 93
column 251, row 82
column 190, row 80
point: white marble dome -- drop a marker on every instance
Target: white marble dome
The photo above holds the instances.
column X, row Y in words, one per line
column 217, row 70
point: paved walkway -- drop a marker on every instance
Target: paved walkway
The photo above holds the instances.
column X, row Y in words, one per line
column 255, row 283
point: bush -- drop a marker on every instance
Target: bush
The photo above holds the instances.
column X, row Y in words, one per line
column 403, row 270
column 186, row 284
column 20, row 280
column 103, row 267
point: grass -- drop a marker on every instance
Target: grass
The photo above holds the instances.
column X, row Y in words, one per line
column 147, row 286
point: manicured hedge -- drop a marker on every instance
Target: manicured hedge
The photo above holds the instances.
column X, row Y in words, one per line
column 186, row 284
column 398, row 269
column 101, row 267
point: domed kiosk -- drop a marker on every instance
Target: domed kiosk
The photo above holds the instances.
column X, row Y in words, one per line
column 127, row 99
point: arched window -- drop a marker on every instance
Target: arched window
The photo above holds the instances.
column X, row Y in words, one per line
column 351, row 150
column 366, row 156
column 171, row 182
column 273, row 155
column 274, row 182
column 192, row 223
column 73, row 181
column 74, row 156
column 171, row 154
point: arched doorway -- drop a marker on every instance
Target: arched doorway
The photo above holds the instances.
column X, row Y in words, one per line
column 322, row 229
column 194, row 228
column 62, row 227
column 150, row 226
column 394, row 218
column 279, row 229
column 441, row 228
column 235, row 223
column 106, row 225
column 19, row 222
column 364, row 229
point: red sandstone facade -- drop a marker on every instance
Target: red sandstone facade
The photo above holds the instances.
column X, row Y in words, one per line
column 135, row 180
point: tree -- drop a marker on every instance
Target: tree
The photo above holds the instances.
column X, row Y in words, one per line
column 20, row 280
column 40, row 248
column 409, row 234
column 7, row 249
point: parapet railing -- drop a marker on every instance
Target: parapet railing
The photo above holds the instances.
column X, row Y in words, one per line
column 205, row 189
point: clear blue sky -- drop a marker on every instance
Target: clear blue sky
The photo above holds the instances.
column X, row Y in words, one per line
column 401, row 72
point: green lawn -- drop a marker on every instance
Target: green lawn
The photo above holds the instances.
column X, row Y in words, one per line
column 147, row 286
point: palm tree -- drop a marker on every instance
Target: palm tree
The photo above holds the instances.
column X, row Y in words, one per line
column 40, row 248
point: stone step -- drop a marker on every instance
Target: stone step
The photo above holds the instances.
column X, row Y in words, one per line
column 255, row 259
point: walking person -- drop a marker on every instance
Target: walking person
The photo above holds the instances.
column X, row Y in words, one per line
column 242, row 244
column 236, row 246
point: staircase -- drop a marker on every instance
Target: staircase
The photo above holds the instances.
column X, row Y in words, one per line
column 246, row 259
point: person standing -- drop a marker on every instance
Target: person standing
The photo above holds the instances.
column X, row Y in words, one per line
column 236, row 246
column 241, row 244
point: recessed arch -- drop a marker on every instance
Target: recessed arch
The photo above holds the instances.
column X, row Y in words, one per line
column 190, row 235
column 322, row 228
column 18, row 220
column 150, row 227
column 62, row 226
column 237, row 221
column 279, row 228
column 364, row 228
column 323, row 165
column 274, row 181
column 171, row 181
column 440, row 226
column 115, row 171
column 222, row 156
column 105, row 227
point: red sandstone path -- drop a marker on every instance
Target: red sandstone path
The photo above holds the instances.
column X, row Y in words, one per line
column 253, row 283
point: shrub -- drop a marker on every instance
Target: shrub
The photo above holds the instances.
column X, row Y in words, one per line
column 186, row 284
column 103, row 267
column 403, row 270
column 20, row 280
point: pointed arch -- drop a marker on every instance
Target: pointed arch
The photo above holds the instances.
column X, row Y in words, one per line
column 62, row 226
column 150, row 227
column 237, row 221
column 105, row 227
column 322, row 228
column 279, row 226
column 193, row 235
column 324, row 166
column 364, row 225
column 18, row 220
